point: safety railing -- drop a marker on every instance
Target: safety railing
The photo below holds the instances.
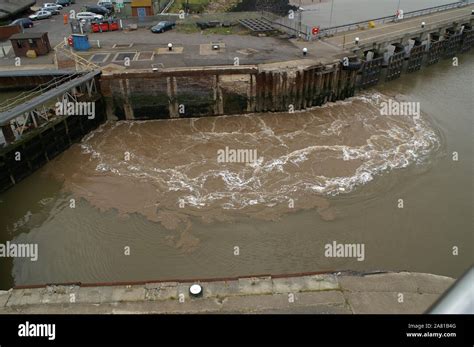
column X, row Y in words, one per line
column 82, row 64
column 292, row 26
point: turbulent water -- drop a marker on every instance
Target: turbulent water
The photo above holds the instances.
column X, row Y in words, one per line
column 333, row 173
column 170, row 170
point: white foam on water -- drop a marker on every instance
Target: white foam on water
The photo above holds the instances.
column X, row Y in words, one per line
column 393, row 143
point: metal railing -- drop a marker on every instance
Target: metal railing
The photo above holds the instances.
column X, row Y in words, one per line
column 293, row 27
column 389, row 19
column 459, row 298
column 167, row 7
column 82, row 64
column 37, row 91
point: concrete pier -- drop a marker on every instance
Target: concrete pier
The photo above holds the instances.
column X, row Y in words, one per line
column 344, row 293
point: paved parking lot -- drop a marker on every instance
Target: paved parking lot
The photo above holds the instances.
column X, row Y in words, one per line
column 190, row 49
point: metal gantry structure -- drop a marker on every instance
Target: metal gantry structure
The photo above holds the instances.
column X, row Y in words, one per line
column 33, row 108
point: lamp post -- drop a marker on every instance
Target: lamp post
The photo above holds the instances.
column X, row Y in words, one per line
column 300, row 21
column 330, row 16
column 300, row 13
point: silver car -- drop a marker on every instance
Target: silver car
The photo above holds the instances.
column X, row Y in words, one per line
column 50, row 6
column 41, row 14
column 83, row 16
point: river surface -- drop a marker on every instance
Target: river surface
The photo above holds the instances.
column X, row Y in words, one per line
column 352, row 11
column 153, row 201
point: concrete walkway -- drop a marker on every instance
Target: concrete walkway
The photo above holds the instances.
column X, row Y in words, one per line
column 393, row 31
column 344, row 293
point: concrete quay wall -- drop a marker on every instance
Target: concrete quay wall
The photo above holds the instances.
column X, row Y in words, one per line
column 214, row 91
column 346, row 293
column 277, row 87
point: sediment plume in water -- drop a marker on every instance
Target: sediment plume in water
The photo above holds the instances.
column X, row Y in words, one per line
column 173, row 172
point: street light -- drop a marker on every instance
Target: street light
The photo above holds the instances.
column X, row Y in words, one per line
column 300, row 14
column 330, row 16
column 300, row 20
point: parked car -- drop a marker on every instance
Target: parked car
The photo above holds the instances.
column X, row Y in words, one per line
column 97, row 10
column 49, row 6
column 55, row 10
column 24, row 22
column 41, row 14
column 161, row 27
column 64, row 2
column 89, row 16
column 107, row 4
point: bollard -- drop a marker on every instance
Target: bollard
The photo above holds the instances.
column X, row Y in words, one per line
column 195, row 290
column 305, row 51
column 423, row 25
column 357, row 41
column 65, row 18
column 170, row 46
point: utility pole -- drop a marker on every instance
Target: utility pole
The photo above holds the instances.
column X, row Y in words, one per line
column 330, row 16
column 300, row 13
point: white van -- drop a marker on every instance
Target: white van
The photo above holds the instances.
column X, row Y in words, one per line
column 88, row 16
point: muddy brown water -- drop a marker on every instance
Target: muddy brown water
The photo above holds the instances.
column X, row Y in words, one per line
column 334, row 173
